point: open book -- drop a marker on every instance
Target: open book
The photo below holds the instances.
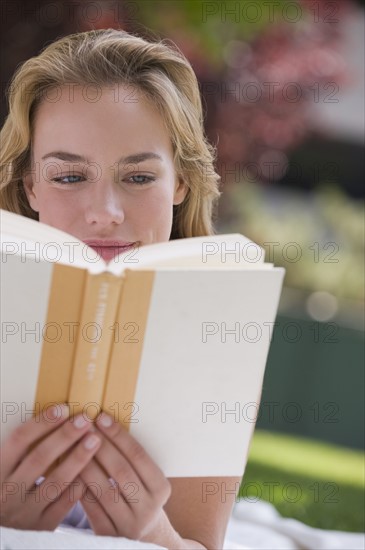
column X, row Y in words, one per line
column 171, row 339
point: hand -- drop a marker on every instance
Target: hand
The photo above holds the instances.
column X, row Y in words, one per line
column 131, row 503
column 25, row 504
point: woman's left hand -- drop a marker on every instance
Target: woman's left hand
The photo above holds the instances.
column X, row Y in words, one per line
column 131, row 503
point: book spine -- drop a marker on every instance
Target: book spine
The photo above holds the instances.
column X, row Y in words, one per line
column 60, row 335
column 100, row 305
column 127, row 347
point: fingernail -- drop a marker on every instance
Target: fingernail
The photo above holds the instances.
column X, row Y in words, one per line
column 105, row 420
column 91, row 442
column 59, row 411
column 80, row 421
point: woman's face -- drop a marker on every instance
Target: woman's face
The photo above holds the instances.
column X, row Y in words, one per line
column 103, row 171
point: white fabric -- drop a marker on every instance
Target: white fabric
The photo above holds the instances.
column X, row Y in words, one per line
column 66, row 538
column 259, row 526
column 253, row 526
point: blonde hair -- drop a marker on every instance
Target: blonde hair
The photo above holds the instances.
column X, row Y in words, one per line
column 109, row 57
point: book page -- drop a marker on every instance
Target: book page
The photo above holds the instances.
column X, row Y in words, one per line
column 199, row 375
column 24, row 304
column 225, row 251
column 26, row 237
column 32, row 239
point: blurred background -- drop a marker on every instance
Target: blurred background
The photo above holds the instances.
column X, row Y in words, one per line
column 283, row 91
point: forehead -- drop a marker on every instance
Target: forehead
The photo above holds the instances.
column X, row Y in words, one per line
column 93, row 118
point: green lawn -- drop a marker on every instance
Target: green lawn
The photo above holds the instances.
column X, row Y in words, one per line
column 317, row 483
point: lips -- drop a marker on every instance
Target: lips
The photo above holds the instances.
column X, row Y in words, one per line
column 109, row 248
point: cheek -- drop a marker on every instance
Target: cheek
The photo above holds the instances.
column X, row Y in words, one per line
column 157, row 210
column 157, row 214
column 57, row 210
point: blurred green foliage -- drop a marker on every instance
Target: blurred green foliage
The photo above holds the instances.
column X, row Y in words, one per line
column 208, row 25
column 326, row 227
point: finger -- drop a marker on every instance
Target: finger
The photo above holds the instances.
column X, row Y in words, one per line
column 104, row 489
column 116, row 466
column 48, row 496
column 63, row 477
column 148, row 471
column 99, row 520
column 56, row 511
column 17, row 443
column 42, row 508
column 36, row 463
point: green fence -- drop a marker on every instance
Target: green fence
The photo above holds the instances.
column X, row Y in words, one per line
column 314, row 382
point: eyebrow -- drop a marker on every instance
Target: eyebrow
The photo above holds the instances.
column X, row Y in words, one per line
column 130, row 159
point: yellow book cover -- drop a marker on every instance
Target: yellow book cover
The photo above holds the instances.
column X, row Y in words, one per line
column 171, row 340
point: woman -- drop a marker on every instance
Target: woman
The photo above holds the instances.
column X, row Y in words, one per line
column 105, row 140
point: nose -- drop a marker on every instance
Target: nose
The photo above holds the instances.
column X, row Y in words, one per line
column 105, row 205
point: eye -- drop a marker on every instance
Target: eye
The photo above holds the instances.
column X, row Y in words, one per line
column 73, row 178
column 141, row 179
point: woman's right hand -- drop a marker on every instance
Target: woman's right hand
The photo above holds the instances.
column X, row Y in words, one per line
column 25, row 505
